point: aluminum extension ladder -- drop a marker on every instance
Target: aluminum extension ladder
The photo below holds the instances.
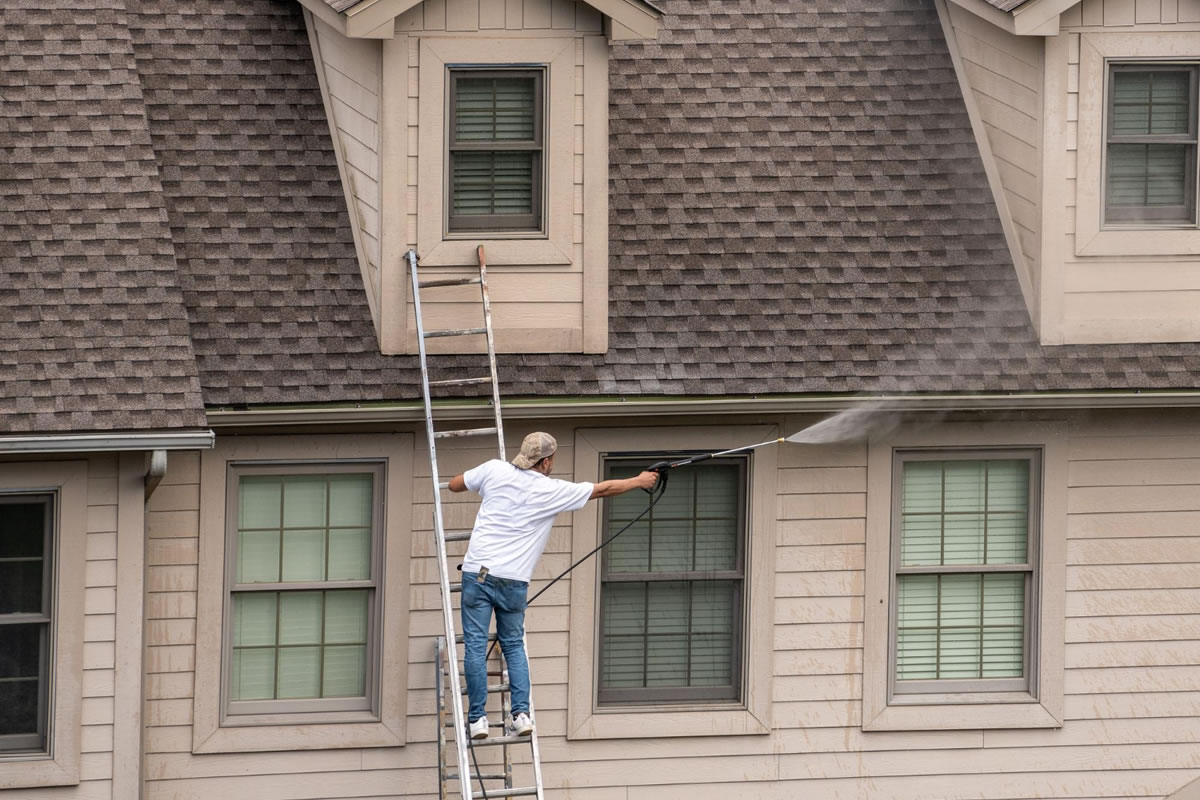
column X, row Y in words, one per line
column 471, row 766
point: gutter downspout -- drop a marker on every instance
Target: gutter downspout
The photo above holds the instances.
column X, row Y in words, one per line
column 158, row 468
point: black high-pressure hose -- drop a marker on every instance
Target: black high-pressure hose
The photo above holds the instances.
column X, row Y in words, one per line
column 660, row 488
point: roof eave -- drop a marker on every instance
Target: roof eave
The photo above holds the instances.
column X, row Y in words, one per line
column 1031, row 18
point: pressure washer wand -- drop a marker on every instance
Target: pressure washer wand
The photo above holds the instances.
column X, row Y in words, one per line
column 663, row 466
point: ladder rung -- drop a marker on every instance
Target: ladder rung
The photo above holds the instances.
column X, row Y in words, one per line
column 458, row 638
column 458, row 536
column 447, row 282
column 454, row 332
column 487, row 776
column 463, row 432
column 498, row 740
column 493, row 688
column 455, row 587
column 521, row 791
column 462, row 381
column 443, row 484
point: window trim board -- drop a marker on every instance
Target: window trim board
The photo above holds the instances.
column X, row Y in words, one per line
column 554, row 245
column 585, row 720
column 60, row 765
column 1092, row 236
column 959, row 711
column 319, row 730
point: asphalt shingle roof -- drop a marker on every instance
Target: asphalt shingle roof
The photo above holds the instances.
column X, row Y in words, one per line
column 93, row 333
column 797, row 205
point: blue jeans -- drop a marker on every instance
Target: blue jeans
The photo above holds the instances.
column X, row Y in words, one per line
column 506, row 598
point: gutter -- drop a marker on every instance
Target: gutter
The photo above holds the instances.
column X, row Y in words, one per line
column 107, row 442
column 540, row 408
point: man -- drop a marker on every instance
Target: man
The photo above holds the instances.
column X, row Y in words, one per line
column 520, row 502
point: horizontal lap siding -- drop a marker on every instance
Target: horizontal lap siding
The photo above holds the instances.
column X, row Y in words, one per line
column 1004, row 73
column 1132, row 646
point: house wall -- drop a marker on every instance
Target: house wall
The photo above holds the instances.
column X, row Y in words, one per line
column 1004, row 74
column 100, row 685
column 548, row 292
column 1120, row 286
column 1132, row 711
column 350, row 77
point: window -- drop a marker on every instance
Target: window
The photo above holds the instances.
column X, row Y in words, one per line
column 1150, row 173
column 965, row 577
column 964, row 556
column 676, row 624
column 303, row 581
column 26, row 616
column 671, row 591
column 495, row 153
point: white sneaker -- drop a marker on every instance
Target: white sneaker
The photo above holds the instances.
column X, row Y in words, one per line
column 479, row 728
column 522, row 725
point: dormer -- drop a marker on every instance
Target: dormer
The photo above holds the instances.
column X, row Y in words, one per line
column 1086, row 119
column 458, row 123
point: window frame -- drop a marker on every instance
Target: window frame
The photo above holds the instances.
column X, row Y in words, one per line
column 650, row 696
column 249, row 711
column 882, row 711
column 752, row 715
column 1092, row 235
column 919, row 690
column 329, row 730
column 1145, row 217
column 57, row 763
column 38, row 742
column 496, row 224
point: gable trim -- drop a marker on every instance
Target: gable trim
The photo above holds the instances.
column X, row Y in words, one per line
column 636, row 19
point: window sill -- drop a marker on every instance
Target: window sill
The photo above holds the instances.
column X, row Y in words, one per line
column 945, row 714
column 1142, row 241
column 658, row 721
column 293, row 736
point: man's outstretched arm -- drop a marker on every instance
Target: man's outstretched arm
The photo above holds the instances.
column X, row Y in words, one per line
column 615, row 487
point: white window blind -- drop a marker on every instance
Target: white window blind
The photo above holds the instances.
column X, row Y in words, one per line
column 303, row 587
column 26, row 530
column 1151, row 133
column 964, row 570
column 672, row 589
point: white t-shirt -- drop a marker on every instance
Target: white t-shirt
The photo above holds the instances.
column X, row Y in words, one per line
column 514, row 520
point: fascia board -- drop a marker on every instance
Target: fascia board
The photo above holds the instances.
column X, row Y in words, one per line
column 654, row 407
column 1001, row 19
column 1039, row 17
column 366, row 17
column 326, row 14
column 106, row 442
column 638, row 17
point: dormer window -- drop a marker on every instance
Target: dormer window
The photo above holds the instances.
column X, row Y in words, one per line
column 1151, row 145
column 495, row 150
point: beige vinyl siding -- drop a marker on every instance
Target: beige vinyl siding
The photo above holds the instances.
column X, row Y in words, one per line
column 108, row 745
column 535, row 308
column 1144, row 290
column 350, row 76
column 1132, row 726
column 1004, row 72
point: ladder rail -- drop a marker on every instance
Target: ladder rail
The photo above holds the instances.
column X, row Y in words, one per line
column 460, row 727
column 448, row 684
column 491, row 349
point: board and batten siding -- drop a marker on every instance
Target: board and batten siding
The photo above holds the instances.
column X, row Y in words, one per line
column 1126, row 297
column 1132, row 684
column 1004, row 74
